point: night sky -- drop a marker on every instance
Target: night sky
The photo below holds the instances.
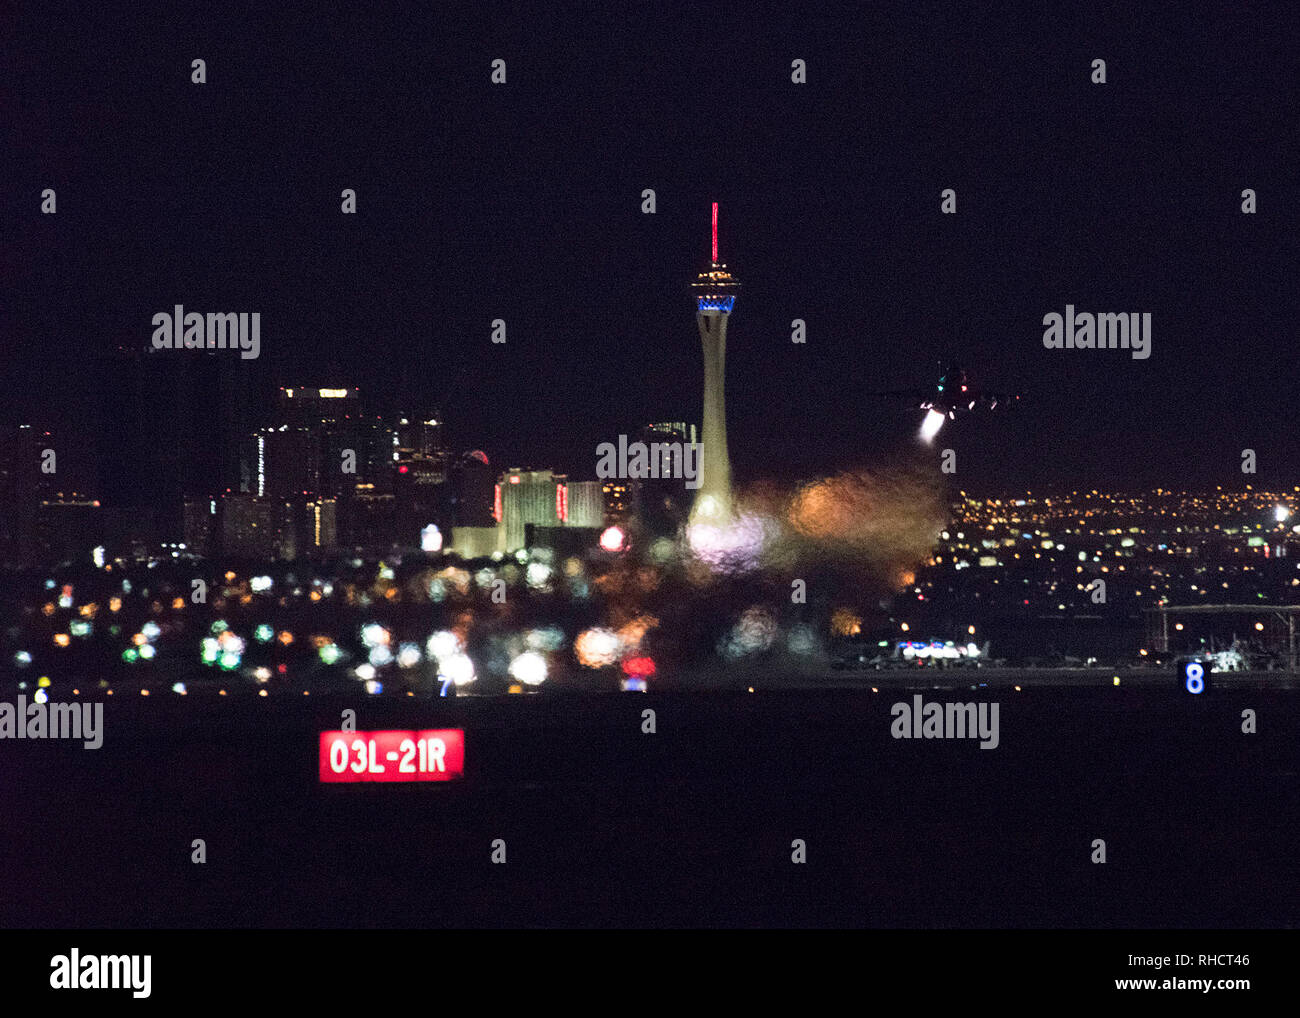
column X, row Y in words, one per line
column 523, row 202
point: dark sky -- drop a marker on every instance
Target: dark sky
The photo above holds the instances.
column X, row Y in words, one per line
column 522, row 202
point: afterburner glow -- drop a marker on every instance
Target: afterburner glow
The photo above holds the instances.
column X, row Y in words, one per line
column 931, row 425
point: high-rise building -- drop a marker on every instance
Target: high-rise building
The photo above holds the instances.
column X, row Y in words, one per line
column 619, row 498
column 308, row 404
column 473, row 494
column 419, row 437
column 352, row 456
column 715, row 295
column 256, row 528
column 526, row 497
column 21, row 489
column 420, row 483
column 584, row 504
column 315, row 525
column 662, row 504
column 286, row 461
column 201, row 524
column 418, row 492
column 150, row 450
column 679, row 430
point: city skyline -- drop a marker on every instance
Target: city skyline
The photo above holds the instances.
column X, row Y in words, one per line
column 831, row 226
column 408, row 521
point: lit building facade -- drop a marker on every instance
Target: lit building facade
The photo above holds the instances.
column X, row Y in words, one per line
column 585, row 504
column 537, row 497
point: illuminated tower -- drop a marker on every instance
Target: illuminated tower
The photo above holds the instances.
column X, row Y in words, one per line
column 715, row 295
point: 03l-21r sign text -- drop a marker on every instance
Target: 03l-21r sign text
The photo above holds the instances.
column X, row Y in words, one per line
column 432, row 755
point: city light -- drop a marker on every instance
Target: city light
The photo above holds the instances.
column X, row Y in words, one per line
column 529, row 668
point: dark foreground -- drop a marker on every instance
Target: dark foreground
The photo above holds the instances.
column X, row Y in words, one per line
column 693, row 825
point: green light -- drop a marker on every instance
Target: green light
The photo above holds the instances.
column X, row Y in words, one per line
column 330, row 653
column 220, row 626
column 264, row 633
column 130, row 655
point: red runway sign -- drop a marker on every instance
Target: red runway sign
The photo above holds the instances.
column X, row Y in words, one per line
column 432, row 755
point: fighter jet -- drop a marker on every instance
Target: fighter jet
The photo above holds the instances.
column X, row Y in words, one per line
column 953, row 394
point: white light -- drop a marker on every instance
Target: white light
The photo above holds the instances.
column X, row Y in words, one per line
column 98, row 555
column 458, row 667
column 431, row 538
column 1281, row 514
column 259, row 583
column 443, row 644
column 537, row 574
column 529, row 668
column 547, row 638
column 374, row 635
column 734, row 545
column 408, row 656
column 597, row 648
column 931, row 425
